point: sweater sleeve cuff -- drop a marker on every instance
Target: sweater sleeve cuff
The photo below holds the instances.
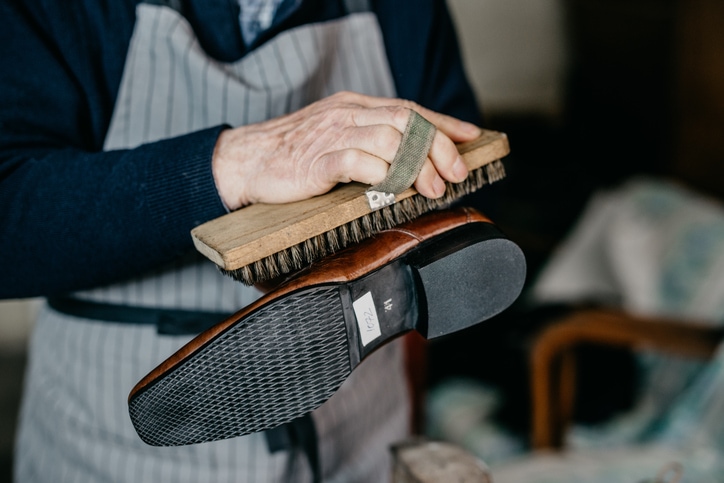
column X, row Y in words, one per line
column 182, row 193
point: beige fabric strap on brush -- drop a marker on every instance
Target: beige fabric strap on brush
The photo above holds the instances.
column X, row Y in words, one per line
column 410, row 156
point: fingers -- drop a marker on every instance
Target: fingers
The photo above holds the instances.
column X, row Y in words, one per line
column 347, row 165
column 381, row 140
column 456, row 129
column 380, row 134
column 443, row 163
column 446, row 159
column 443, row 152
column 428, row 182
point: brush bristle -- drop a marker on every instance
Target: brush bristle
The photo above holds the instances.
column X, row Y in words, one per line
column 301, row 255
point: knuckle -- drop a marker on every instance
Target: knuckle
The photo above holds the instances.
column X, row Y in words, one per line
column 344, row 162
column 388, row 139
column 353, row 158
column 400, row 115
column 324, row 171
column 346, row 97
column 411, row 105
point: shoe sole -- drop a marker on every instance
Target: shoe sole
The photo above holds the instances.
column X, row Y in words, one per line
column 288, row 357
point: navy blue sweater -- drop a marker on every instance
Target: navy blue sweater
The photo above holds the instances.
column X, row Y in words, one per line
column 73, row 216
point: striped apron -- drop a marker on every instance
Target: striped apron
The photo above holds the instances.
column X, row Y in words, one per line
column 74, row 423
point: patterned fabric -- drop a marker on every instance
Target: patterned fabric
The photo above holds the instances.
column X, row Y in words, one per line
column 651, row 247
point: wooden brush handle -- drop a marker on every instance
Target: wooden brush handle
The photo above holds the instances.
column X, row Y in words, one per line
column 260, row 230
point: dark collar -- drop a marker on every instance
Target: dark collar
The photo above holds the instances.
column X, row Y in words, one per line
column 216, row 23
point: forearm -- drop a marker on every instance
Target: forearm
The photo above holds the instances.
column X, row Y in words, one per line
column 73, row 219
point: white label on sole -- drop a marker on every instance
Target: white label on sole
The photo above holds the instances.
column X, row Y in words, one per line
column 367, row 321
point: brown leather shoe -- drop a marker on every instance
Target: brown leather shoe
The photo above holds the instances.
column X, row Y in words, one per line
column 286, row 354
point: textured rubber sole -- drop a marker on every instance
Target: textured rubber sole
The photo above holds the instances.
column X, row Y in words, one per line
column 288, row 357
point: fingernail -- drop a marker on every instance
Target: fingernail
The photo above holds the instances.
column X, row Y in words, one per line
column 459, row 169
column 439, row 186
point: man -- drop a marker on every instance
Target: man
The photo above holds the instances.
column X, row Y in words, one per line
column 126, row 124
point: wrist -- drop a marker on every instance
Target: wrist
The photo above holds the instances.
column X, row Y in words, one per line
column 225, row 170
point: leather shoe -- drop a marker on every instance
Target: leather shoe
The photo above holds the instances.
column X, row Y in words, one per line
column 285, row 354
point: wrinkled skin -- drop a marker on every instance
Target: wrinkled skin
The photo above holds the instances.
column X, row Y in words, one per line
column 342, row 138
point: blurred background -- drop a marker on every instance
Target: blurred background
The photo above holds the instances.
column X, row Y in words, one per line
column 592, row 94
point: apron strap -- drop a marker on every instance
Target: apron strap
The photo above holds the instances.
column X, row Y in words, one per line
column 299, row 434
column 167, row 321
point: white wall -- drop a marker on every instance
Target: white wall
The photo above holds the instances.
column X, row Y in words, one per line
column 514, row 52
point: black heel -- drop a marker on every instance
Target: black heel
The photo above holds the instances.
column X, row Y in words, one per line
column 467, row 276
column 452, row 282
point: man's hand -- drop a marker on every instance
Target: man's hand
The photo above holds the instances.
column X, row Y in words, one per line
column 345, row 137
